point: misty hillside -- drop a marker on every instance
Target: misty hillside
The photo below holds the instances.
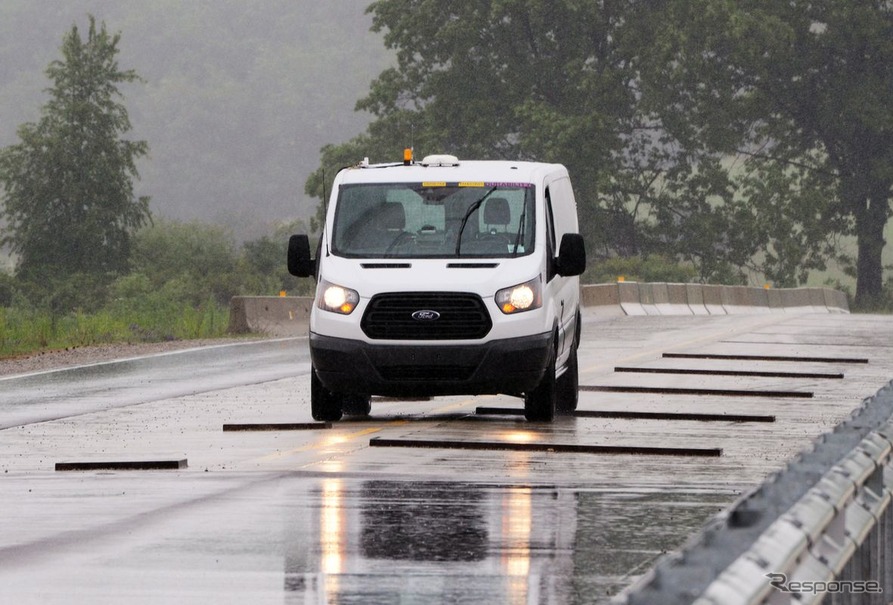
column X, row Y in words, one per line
column 238, row 97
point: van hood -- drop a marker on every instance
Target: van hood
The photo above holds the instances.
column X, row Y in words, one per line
column 482, row 276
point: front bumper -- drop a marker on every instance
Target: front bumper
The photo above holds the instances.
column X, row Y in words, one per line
column 510, row 366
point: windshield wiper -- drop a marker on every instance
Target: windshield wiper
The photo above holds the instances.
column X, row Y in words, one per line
column 468, row 213
column 522, row 224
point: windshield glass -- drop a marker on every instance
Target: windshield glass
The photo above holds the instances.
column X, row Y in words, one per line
column 434, row 220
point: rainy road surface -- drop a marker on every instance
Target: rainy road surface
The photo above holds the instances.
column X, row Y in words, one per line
column 448, row 500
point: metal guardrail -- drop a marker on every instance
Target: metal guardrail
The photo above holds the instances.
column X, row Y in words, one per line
column 819, row 531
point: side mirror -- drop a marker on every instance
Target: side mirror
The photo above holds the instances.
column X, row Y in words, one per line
column 299, row 262
column 571, row 255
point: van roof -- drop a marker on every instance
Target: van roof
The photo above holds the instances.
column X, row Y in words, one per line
column 484, row 171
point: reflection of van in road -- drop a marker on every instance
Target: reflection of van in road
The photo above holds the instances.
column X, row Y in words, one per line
column 445, row 277
column 420, row 541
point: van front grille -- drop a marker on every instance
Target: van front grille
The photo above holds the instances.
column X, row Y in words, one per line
column 396, row 316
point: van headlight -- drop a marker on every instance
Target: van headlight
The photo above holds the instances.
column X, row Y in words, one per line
column 336, row 299
column 523, row 297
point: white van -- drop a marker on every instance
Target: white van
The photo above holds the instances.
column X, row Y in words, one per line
column 445, row 277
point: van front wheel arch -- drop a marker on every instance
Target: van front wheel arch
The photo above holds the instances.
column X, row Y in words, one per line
column 569, row 382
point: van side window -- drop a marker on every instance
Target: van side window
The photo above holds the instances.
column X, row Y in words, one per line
column 550, row 238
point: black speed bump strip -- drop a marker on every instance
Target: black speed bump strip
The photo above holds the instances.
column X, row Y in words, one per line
column 690, row 391
column 122, row 465
column 560, row 448
column 746, row 373
column 486, row 411
column 278, row 426
column 675, row 416
column 766, row 358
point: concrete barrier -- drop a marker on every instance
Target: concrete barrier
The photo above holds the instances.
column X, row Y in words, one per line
column 707, row 299
column 274, row 315
column 604, row 299
column 289, row 315
column 836, row 301
column 695, row 294
column 660, row 297
column 733, row 300
column 677, row 300
column 743, row 299
column 796, row 300
column 817, row 299
column 775, row 300
column 646, row 297
column 758, row 298
column 713, row 299
column 629, row 298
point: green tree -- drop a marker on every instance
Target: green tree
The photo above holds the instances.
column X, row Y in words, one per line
column 553, row 81
column 511, row 79
column 68, row 194
column 262, row 258
column 750, row 135
column 801, row 93
column 190, row 262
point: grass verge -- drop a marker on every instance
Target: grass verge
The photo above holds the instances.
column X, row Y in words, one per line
column 27, row 331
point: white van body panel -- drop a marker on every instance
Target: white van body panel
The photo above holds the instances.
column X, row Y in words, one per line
column 511, row 351
column 433, row 275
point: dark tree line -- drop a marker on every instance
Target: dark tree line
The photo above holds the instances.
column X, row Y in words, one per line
column 736, row 136
column 733, row 136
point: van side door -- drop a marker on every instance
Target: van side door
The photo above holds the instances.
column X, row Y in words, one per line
column 561, row 218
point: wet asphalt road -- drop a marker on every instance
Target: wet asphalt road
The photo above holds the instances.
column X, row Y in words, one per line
column 328, row 515
column 96, row 387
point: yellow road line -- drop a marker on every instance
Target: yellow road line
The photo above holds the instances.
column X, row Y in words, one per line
column 334, row 439
column 451, row 406
column 328, row 441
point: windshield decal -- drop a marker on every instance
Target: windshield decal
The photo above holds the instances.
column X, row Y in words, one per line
column 481, row 184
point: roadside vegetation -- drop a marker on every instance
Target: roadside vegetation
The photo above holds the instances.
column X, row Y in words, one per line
column 180, row 280
column 89, row 264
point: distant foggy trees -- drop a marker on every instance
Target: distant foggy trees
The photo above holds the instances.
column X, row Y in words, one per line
column 67, row 186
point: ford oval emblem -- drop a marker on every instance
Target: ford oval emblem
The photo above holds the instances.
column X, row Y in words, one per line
column 425, row 315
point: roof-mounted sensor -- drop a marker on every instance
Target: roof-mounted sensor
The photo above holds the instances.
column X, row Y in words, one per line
column 440, row 160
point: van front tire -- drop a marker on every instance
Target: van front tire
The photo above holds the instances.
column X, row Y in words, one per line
column 539, row 404
column 325, row 405
column 568, row 386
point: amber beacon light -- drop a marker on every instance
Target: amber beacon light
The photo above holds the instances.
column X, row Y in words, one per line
column 407, row 156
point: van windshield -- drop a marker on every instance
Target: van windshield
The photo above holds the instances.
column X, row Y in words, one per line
column 434, row 220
